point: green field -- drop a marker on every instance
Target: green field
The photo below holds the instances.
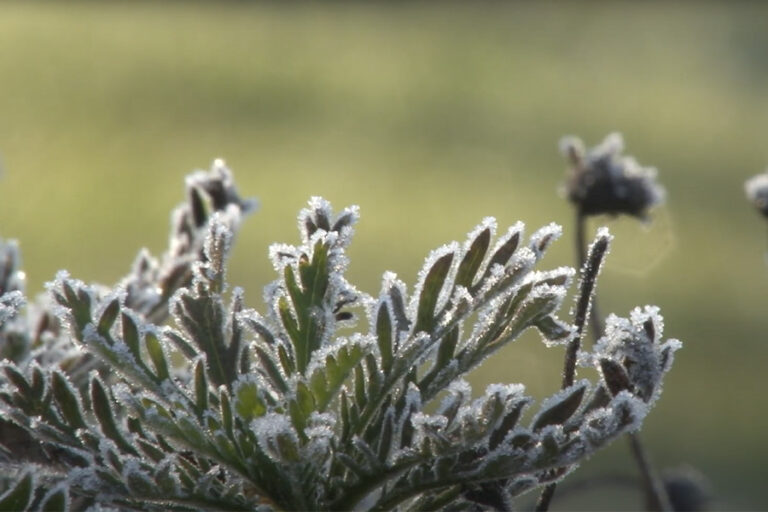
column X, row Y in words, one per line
column 430, row 117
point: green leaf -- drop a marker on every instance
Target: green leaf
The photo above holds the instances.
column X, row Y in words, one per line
column 290, row 323
column 248, row 401
column 470, row 264
column 507, row 424
column 157, row 355
column 430, row 292
column 38, row 384
column 615, row 376
column 131, row 334
column 286, row 361
column 56, row 501
column 103, row 411
column 201, row 386
column 384, row 336
column 226, row 410
column 502, row 255
column 18, row 380
column 553, row 329
column 447, row 348
column 562, row 409
column 269, row 365
column 19, row 496
column 302, row 406
column 67, row 401
column 327, row 379
column 79, row 302
column 108, row 317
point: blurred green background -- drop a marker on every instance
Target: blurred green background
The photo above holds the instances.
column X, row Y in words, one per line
column 430, row 117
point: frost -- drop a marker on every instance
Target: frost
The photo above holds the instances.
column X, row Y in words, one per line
column 635, row 344
column 10, row 304
column 296, row 413
column 276, row 437
column 445, row 286
column 543, row 238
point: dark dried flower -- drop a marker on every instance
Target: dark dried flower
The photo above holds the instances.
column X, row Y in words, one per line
column 757, row 192
column 602, row 180
column 688, row 489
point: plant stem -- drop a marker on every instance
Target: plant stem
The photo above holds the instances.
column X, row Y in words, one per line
column 589, row 265
column 581, row 254
column 656, row 496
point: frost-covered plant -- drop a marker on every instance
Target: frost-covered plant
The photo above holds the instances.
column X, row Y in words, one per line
column 756, row 189
column 330, row 399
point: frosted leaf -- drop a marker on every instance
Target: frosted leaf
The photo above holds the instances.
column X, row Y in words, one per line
column 319, row 217
column 461, row 304
column 138, row 480
column 427, row 426
column 277, row 437
column 217, row 244
column 444, row 288
column 459, row 392
column 516, row 231
column 558, row 408
column 366, row 343
column 10, row 304
column 282, row 254
column 635, row 344
column 543, row 238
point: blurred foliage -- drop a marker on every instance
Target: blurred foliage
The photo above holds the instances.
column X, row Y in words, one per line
column 409, row 109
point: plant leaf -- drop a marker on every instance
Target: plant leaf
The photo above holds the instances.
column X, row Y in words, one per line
column 433, row 284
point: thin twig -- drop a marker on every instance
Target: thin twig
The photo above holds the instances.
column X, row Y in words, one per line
column 656, row 495
column 595, row 318
column 589, row 269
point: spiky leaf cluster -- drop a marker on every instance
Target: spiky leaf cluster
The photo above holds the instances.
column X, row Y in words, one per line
column 230, row 409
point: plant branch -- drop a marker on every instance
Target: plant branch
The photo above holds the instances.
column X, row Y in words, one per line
column 656, row 495
column 590, row 268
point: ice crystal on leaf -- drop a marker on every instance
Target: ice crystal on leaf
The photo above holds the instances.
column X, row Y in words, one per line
column 168, row 392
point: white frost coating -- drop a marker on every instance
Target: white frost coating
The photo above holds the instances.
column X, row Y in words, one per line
column 470, row 414
column 564, row 274
column 426, row 425
column 756, row 189
column 10, row 304
column 560, row 396
column 518, row 228
column 269, row 430
column 543, row 238
column 445, row 290
column 602, row 424
column 217, row 244
column 506, row 391
column 627, row 342
column 604, row 232
column 461, row 304
column 263, row 385
column 317, row 361
column 282, row 254
column 459, row 393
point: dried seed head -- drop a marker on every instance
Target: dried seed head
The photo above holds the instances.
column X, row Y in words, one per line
column 756, row 189
column 602, row 180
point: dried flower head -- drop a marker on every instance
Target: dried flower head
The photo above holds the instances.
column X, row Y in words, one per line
column 757, row 192
column 602, row 180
